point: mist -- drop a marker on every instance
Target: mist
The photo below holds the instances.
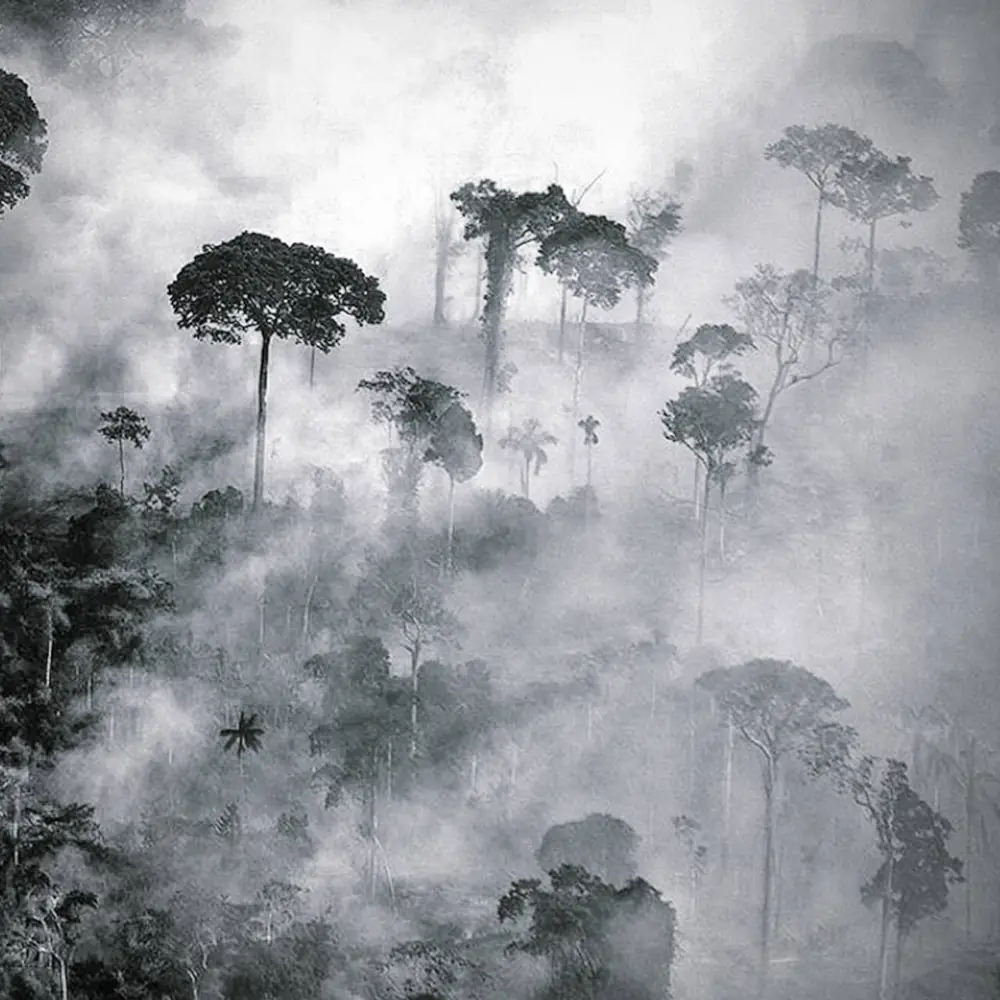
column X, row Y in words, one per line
column 296, row 711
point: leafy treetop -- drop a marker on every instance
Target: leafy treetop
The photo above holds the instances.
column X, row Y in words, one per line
column 22, row 140
column 257, row 282
column 979, row 217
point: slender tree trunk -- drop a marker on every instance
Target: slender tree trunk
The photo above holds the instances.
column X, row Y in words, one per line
column 414, row 680
column 770, row 776
column 15, row 827
column 526, row 480
column 450, row 562
column 388, row 770
column 970, row 804
column 697, row 490
column 897, row 974
column 63, row 978
column 722, row 521
column 641, row 291
column 577, row 380
column 473, row 774
column 590, row 464
column 258, row 468
column 563, row 299
column 312, row 368
column 121, row 464
column 883, row 953
column 307, row 609
column 870, row 258
column 441, row 258
column 727, row 791
column 702, row 563
column 48, row 646
column 819, row 226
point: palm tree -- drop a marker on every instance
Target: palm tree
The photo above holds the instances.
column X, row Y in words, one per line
column 589, row 427
column 245, row 736
column 530, row 440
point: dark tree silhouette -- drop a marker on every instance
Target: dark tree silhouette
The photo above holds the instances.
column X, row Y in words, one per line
column 119, row 426
column 507, row 223
column 290, row 292
column 22, row 140
column 245, row 736
column 979, row 222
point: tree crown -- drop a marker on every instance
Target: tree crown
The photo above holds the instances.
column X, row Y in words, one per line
column 257, row 282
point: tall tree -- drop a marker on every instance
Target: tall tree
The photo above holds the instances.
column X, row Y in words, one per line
column 364, row 714
column 507, row 223
column 589, row 426
column 912, row 881
column 705, row 353
column 818, row 153
column 446, row 248
column 457, row 447
column 531, row 440
column 979, row 222
column 593, row 259
column 119, row 426
column 22, row 140
column 873, row 187
column 714, row 422
column 653, row 220
column 414, row 407
column 779, row 710
column 789, row 313
column 295, row 292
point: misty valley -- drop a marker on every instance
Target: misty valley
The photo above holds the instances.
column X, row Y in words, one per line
column 494, row 586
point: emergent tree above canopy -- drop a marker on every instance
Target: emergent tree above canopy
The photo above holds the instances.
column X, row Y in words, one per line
column 292, row 292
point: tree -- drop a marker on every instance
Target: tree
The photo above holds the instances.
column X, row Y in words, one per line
column 873, row 187
column 592, row 257
column 713, row 422
column 687, row 830
column 601, row 943
column 818, row 153
column 602, row 844
column 589, row 427
column 507, row 223
column 457, row 447
column 365, row 714
column 788, row 312
column 446, row 248
column 22, row 140
column 978, row 787
column 979, row 221
column 123, row 425
column 780, row 710
column 705, row 353
column 415, row 407
column 531, row 441
column 654, row 219
column 912, row 881
column 290, row 292
column 244, row 736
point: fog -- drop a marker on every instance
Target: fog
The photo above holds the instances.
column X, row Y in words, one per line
column 440, row 670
